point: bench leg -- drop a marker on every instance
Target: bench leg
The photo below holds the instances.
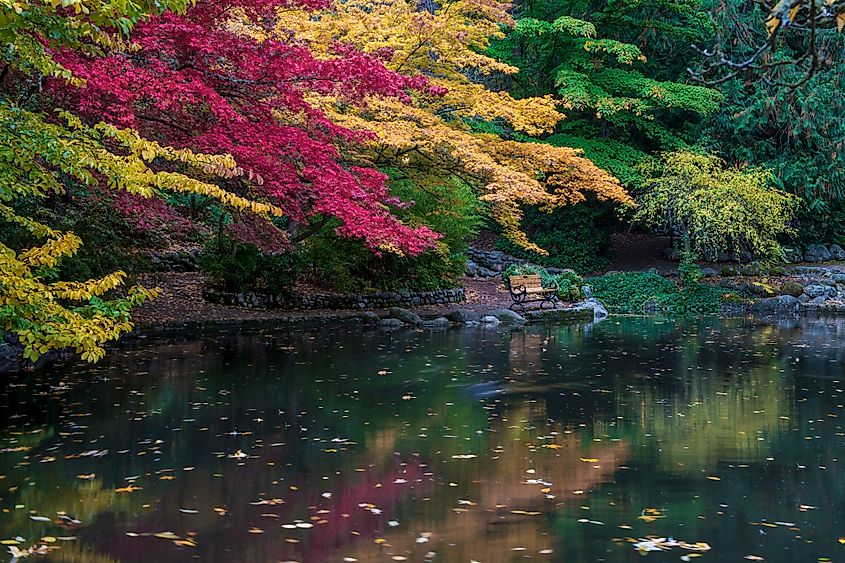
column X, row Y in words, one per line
column 550, row 299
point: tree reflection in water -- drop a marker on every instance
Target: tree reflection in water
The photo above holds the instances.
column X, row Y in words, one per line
column 555, row 442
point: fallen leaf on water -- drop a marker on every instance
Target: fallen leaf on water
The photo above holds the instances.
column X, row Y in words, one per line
column 753, row 558
column 714, row 478
column 255, row 530
column 32, row 550
column 129, row 489
column 589, row 459
column 651, row 543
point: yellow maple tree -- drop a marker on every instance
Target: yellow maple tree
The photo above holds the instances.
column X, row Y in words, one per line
column 433, row 135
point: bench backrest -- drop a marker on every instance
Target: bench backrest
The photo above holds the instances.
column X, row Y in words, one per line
column 530, row 281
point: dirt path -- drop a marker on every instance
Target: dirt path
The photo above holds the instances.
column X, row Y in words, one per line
column 641, row 252
column 181, row 301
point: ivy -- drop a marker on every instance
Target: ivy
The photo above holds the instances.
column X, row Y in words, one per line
column 646, row 292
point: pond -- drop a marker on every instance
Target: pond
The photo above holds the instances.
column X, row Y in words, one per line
column 550, row 443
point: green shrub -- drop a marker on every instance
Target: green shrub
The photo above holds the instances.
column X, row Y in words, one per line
column 635, row 292
column 346, row 265
column 447, row 206
column 238, row 266
column 230, row 265
column 688, row 270
column 576, row 237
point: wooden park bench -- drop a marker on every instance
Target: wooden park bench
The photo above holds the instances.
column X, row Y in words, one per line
column 528, row 289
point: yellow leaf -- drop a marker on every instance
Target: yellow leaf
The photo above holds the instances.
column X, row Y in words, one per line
column 772, row 25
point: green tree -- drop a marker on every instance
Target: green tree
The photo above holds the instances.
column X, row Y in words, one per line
column 616, row 69
column 797, row 133
column 713, row 207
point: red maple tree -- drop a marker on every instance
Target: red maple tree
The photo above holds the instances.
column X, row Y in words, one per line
column 193, row 81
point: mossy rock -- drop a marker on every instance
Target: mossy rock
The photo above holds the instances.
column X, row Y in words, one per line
column 792, row 288
column 752, row 269
column 777, row 271
column 762, row 289
column 729, row 272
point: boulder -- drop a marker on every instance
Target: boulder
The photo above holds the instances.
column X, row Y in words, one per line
column 440, row 323
column 406, row 316
column 815, row 290
column 391, row 324
column 471, row 268
column 729, row 271
column 463, row 316
column 836, row 252
column 774, row 305
column 587, row 291
column 804, row 298
column 10, row 356
column 709, row 272
column 792, row 254
column 506, row 316
column 752, row 269
column 816, row 253
column 490, row 320
column 599, row 310
column 758, row 288
column 577, row 312
column 738, row 286
column 791, row 288
column 817, row 301
column 726, row 257
column 368, row 317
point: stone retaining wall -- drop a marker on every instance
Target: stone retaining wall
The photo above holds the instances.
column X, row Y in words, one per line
column 334, row 301
column 174, row 261
column 490, row 263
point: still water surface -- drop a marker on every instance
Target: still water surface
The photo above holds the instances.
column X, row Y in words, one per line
column 552, row 443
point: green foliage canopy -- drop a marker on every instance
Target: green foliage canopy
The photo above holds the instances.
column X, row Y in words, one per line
column 613, row 65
